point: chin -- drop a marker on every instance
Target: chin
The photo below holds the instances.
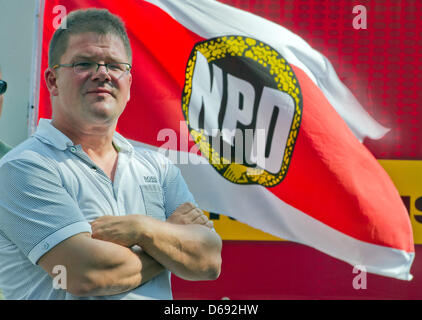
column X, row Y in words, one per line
column 99, row 112
column 103, row 115
column 103, row 109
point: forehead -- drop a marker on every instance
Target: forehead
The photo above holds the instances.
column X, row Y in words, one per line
column 96, row 46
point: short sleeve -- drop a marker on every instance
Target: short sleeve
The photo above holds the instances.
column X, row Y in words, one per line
column 36, row 211
column 176, row 191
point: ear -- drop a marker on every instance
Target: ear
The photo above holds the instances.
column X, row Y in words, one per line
column 51, row 81
column 130, row 84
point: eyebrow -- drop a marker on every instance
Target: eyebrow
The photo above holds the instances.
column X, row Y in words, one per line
column 80, row 57
column 87, row 57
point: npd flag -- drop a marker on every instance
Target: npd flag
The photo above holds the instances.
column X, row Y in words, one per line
column 269, row 133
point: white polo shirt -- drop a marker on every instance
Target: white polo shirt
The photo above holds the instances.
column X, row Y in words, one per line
column 50, row 190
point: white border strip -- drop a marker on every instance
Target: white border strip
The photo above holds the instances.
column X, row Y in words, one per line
column 34, row 88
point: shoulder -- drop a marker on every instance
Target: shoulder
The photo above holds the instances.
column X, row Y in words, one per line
column 31, row 153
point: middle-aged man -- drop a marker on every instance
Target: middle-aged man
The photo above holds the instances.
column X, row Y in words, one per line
column 76, row 199
column 4, row 148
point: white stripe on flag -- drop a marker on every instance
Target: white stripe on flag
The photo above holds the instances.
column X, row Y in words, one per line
column 272, row 215
column 209, row 19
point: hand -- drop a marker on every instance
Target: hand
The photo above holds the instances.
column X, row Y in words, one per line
column 187, row 213
column 123, row 230
column 235, row 172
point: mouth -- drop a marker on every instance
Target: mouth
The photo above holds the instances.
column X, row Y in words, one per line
column 100, row 92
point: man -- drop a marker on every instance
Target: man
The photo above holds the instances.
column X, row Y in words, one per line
column 4, row 148
column 76, row 175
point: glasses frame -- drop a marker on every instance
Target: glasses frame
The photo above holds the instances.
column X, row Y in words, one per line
column 106, row 65
column 3, row 87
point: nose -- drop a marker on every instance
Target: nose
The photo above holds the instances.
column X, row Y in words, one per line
column 101, row 74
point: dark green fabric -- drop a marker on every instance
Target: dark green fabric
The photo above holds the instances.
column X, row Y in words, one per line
column 4, row 148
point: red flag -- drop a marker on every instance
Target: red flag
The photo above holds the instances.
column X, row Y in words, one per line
column 274, row 133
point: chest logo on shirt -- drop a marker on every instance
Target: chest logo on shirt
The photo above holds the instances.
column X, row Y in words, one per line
column 243, row 106
column 150, row 179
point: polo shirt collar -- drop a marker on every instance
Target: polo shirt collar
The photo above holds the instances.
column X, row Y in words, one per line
column 122, row 144
column 48, row 134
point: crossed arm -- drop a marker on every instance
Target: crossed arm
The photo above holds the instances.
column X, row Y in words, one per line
column 105, row 264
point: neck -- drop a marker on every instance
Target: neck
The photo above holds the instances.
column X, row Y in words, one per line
column 95, row 139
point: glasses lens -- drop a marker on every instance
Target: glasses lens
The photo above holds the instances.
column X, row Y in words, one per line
column 3, row 86
column 113, row 69
column 84, row 67
column 117, row 69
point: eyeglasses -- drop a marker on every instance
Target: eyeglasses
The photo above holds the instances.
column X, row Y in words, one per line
column 114, row 69
column 3, row 87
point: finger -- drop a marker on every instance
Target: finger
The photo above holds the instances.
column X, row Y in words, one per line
column 96, row 234
column 190, row 216
column 185, row 207
column 102, row 219
column 202, row 219
column 196, row 214
column 231, row 175
column 210, row 224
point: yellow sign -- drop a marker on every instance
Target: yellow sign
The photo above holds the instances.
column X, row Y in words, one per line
column 407, row 177
column 405, row 174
